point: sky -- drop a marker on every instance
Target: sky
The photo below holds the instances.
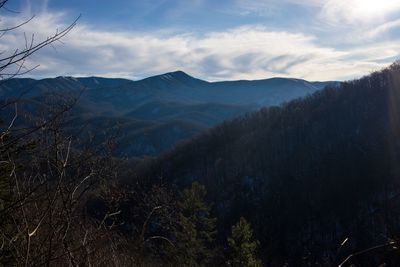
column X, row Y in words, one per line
column 208, row 39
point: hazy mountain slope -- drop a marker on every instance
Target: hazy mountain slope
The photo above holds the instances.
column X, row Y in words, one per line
column 160, row 101
column 163, row 111
column 308, row 174
column 180, row 87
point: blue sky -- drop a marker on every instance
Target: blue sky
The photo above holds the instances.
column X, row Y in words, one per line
column 213, row 40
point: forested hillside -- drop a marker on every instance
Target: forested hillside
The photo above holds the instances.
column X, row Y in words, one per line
column 312, row 182
column 176, row 171
column 148, row 116
column 307, row 175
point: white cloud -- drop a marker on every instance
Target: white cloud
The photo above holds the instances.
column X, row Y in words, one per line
column 334, row 12
column 251, row 52
column 357, row 12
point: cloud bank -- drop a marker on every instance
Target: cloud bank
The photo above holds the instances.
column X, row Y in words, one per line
column 246, row 52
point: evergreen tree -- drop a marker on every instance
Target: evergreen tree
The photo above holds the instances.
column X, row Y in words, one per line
column 243, row 246
column 196, row 228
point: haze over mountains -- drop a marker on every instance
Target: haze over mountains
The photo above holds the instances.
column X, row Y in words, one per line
column 153, row 114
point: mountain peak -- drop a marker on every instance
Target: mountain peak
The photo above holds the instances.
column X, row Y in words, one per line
column 174, row 77
column 179, row 72
column 177, row 75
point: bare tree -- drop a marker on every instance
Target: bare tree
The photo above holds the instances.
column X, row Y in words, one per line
column 43, row 216
column 46, row 183
column 43, row 179
column 12, row 63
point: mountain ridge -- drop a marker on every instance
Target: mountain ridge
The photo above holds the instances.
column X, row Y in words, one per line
column 175, row 74
column 156, row 103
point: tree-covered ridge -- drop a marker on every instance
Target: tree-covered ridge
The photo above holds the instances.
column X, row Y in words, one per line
column 153, row 114
column 316, row 179
column 308, row 174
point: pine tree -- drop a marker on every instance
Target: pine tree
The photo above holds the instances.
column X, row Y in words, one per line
column 242, row 246
column 196, row 228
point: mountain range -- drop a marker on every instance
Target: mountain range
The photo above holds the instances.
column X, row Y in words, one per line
column 154, row 114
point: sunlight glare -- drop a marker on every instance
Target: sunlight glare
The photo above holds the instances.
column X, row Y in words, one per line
column 373, row 8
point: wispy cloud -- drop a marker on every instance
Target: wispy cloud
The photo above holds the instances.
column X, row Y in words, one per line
column 270, row 7
column 382, row 29
column 247, row 52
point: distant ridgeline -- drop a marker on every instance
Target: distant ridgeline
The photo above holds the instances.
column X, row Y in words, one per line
column 149, row 116
column 308, row 174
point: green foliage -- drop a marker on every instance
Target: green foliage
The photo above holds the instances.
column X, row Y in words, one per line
column 196, row 228
column 243, row 246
